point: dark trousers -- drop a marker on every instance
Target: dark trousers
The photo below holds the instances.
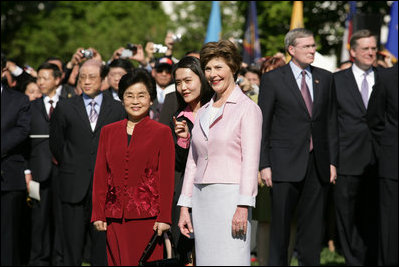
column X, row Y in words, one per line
column 11, row 214
column 388, row 222
column 309, row 197
column 356, row 216
column 42, row 227
column 76, row 218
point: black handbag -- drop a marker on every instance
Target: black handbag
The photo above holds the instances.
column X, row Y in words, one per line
column 171, row 259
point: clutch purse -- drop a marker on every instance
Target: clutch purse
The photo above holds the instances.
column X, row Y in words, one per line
column 170, row 260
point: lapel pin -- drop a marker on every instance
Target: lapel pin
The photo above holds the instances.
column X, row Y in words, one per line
column 316, row 81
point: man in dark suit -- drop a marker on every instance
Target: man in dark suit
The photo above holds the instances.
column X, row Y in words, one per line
column 383, row 120
column 355, row 193
column 43, row 169
column 15, row 126
column 74, row 135
column 299, row 147
column 116, row 69
column 64, row 89
column 164, row 106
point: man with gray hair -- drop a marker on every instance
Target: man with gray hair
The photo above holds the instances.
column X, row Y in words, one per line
column 356, row 191
column 299, row 148
column 75, row 129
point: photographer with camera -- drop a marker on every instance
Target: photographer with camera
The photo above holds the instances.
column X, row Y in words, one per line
column 133, row 52
column 72, row 67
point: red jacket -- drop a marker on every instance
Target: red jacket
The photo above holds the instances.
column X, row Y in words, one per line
column 135, row 181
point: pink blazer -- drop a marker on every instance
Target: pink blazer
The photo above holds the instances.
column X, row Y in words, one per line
column 227, row 151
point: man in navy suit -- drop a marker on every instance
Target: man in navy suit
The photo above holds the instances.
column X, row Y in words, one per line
column 299, row 148
column 74, row 135
column 15, row 126
column 355, row 193
column 43, row 169
column 383, row 120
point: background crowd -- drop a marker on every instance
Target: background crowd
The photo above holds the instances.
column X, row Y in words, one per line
column 62, row 142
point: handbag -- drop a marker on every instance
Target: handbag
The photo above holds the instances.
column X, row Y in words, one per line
column 170, row 260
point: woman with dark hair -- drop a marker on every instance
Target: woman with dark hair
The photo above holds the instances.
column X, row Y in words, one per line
column 193, row 91
column 134, row 175
column 220, row 180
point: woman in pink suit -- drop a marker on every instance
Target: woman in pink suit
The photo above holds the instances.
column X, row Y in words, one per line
column 220, row 181
column 134, row 175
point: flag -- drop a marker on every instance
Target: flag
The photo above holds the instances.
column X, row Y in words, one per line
column 345, row 56
column 251, row 44
column 297, row 15
column 214, row 24
column 296, row 21
column 392, row 43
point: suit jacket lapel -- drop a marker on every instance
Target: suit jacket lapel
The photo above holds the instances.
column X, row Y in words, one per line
column 42, row 109
column 289, row 80
column 316, row 90
column 204, row 118
column 80, row 107
column 354, row 89
column 105, row 109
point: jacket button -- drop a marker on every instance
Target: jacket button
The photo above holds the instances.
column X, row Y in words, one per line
column 206, row 138
column 206, row 157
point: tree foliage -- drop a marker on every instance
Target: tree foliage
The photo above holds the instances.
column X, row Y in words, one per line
column 32, row 31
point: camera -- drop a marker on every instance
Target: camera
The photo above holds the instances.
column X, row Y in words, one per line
column 130, row 50
column 176, row 38
column 87, row 53
column 158, row 48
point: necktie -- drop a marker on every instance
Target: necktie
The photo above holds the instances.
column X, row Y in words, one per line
column 93, row 113
column 365, row 90
column 51, row 108
column 308, row 100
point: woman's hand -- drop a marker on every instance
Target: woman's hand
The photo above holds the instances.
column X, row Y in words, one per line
column 181, row 128
column 100, row 225
column 185, row 222
column 239, row 222
column 161, row 227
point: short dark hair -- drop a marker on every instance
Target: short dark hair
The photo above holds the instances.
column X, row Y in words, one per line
column 224, row 49
column 193, row 63
column 57, row 59
column 50, row 66
column 137, row 76
column 359, row 35
column 120, row 63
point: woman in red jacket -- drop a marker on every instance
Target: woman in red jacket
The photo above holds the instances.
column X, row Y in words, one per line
column 134, row 175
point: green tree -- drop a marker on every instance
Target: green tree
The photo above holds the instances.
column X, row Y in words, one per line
column 59, row 29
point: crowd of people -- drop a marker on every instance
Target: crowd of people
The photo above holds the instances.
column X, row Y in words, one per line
column 234, row 160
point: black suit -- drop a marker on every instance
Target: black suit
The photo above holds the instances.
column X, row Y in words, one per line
column 44, row 171
column 169, row 107
column 74, row 145
column 355, row 190
column 15, row 126
column 67, row 91
column 383, row 120
column 299, row 176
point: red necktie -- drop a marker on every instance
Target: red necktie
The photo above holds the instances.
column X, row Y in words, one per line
column 308, row 100
column 51, row 108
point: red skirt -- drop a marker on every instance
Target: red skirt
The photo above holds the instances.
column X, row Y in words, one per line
column 127, row 239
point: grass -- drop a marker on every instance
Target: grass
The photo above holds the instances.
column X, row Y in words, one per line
column 327, row 258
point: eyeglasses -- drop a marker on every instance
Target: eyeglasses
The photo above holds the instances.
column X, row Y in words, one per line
column 90, row 77
column 160, row 70
column 307, row 47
